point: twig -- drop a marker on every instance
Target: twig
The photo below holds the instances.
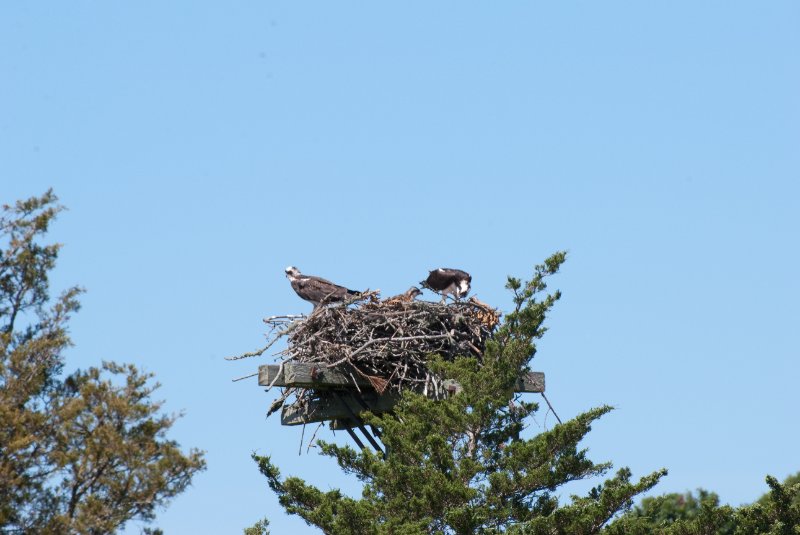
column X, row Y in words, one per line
column 244, row 377
column 400, row 339
column 292, row 317
column 277, row 375
column 551, row 407
column 257, row 353
column 302, row 434
column 260, row 352
column 311, row 440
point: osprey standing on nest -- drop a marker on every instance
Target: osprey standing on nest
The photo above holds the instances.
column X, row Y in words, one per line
column 448, row 281
column 316, row 290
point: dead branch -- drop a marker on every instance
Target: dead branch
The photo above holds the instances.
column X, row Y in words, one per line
column 244, row 377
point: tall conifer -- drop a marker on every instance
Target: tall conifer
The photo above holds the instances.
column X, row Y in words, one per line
column 83, row 453
column 465, row 465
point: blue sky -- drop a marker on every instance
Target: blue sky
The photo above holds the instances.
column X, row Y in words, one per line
column 202, row 146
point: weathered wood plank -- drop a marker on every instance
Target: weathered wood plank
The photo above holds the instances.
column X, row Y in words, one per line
column 341, row 425
column 320, row 376
column 328, row 408
column 268, row 373
column 309, row 375
column 530, row 382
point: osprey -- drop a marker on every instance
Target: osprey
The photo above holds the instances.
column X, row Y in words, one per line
column 316, row 290
column 407, row 296
column 448, row 281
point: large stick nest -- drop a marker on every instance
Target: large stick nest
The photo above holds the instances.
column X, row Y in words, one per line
column 389, row 341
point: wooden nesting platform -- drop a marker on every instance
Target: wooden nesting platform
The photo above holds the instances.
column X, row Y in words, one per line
column 339, row 400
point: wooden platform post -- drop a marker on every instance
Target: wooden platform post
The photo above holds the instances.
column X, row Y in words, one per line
column 340, row 406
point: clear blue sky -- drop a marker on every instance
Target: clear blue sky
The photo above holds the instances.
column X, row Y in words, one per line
column 203, row 146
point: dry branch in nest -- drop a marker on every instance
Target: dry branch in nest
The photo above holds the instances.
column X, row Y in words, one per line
column 388, row 342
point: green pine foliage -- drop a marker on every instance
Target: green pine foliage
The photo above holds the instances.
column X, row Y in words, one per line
column 676, row 514
column 788, row 483
column 259, row 528
column 87, row 452
column 775, row 513
column 463, row 465
column 778, row 513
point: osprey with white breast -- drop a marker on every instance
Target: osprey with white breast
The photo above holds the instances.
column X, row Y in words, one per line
column 448, row 281
column 316, row 290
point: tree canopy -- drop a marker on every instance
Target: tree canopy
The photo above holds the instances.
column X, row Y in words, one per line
column 464, row 465
column 79, row 453
column 776, row 513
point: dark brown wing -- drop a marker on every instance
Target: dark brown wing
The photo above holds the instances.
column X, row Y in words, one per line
column 441, row 278
column 317, row 289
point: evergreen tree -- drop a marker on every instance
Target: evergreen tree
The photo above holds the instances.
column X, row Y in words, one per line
column 788, row 483
column 83, row 453
column 677, row 514
column 775, row 513
column 461, row 465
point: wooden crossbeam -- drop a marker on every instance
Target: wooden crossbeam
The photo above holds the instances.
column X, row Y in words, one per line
column 308, row 376
column 532, row 382
column 328, row 407
column 339, row 408
column 319, row 377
